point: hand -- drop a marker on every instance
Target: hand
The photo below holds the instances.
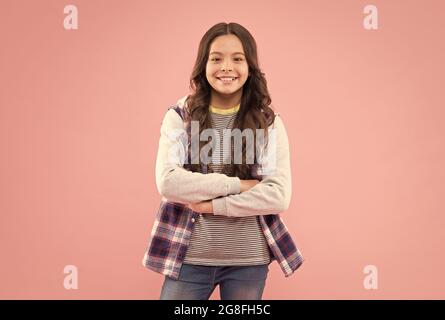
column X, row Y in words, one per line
column 202, row 207
column 247, row 184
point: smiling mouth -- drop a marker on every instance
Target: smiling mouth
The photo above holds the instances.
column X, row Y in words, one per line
column 227, row 79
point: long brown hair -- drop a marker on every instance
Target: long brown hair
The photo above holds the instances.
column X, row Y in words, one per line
column 254, row 112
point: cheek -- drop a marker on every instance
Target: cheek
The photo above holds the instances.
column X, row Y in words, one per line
column 210, row 69
column 210, row 74
column 246, row 70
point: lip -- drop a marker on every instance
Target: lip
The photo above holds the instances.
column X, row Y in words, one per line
column 234, row 79
column 227, row 77
column 227, row 83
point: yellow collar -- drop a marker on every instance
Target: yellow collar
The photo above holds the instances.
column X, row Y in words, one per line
column 224, row 111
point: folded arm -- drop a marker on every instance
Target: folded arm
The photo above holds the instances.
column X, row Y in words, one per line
column 178, row 184
column 272, row 194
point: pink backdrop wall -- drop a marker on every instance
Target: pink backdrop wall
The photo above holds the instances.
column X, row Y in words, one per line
column 80, row 117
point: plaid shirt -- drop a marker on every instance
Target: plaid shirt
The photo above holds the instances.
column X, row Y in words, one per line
column 173, row 227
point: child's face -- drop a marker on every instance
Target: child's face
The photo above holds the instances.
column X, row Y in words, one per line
column 229, row 62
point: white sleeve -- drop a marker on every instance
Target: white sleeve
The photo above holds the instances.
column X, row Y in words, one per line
column 178, row 184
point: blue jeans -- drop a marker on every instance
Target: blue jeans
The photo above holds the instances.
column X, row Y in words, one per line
column 198, row 282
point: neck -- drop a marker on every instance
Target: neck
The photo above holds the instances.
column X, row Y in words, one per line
column 221, row 101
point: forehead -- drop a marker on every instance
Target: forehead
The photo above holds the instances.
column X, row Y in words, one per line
column 226, row 44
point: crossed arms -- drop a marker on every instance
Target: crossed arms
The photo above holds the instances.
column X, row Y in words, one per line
column 225, row 195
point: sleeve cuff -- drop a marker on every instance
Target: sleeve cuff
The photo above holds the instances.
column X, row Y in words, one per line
column 233, row 185
column 219, row 206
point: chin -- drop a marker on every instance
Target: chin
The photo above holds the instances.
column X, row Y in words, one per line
column 227, row 90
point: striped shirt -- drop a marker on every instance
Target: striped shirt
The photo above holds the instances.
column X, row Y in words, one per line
column 174, row 223
column 222, row 240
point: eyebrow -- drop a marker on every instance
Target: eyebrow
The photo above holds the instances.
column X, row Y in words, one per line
column 216, row 52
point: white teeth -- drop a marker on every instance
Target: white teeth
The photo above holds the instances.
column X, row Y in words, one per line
column 227, row 79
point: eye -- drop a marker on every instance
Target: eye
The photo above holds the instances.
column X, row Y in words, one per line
column 216, row 59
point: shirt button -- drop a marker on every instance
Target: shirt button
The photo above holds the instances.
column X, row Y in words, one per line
column 193, row 219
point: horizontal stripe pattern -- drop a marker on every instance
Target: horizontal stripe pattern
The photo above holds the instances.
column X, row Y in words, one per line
column 222, row 240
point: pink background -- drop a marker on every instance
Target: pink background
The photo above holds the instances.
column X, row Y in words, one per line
column 80, row 118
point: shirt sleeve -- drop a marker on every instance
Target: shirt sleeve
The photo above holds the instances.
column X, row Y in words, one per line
column 272, row 194
column 178, row 184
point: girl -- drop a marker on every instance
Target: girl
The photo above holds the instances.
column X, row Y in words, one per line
column 219, row 223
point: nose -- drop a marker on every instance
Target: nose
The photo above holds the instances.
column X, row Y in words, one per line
column 226, row 67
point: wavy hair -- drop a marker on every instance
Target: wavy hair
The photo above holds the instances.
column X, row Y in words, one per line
column 254, row 112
